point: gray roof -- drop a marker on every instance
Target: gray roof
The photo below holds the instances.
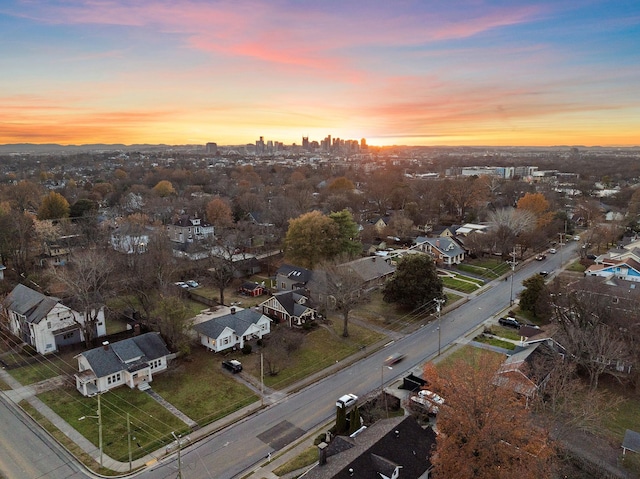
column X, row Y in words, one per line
column 238, row 322
column 370, row 268
column 126, row 355
column 446, row 246
column 33, row 305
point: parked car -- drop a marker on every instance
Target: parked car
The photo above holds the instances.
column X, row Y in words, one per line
column 192, row 284
column 346, row 400
column 395, row 358
column 509, row 322
column 181, row 284
column 591, row 256
column 544, row 274
column 540, row 257
column 428, row 400
column 553, row 251
column 232, row 365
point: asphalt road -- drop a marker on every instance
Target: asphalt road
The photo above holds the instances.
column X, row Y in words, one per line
column 239, row 448
column 27, row 452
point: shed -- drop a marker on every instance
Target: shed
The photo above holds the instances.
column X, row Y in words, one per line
column 631, row 441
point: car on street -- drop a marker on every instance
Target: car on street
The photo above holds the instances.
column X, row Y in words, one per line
column 509, row 322
column 540, row 257
column 395, row 358
column 232, row 365
column 346, row 400
column 192, row 284
column 544, row 274
column 553, row 251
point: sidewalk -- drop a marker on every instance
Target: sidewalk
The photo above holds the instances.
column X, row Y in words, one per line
column 28, row 393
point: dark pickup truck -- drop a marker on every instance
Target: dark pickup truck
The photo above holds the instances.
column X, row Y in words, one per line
column 232, row 365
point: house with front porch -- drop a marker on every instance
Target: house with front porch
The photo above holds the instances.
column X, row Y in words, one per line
column 293, row 307
column 44, row 322
column 445, row 251
column 232, row 330
column 131, row 362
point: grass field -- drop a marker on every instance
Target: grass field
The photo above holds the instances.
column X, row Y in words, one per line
column 150, row 424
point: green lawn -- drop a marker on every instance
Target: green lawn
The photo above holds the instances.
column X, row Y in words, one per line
column 461, row 283
column 494, row 342
column 150, row 423
column 466, row 353
column 45, row 367
column 198, row 387
column 321, row 349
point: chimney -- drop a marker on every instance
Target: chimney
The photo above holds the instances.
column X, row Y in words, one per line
column 105, row 345
column 322, row 453
column 233, row 310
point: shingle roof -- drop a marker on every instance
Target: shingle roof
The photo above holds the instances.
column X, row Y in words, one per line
column 387, row 443
column 238, row 322
column 33, row 305
column 302, row 275
column 370, row 268
column 105, row 361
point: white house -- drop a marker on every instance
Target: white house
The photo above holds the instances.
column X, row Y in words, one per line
column 187, row 229
column 44, row 322
column 130, row 240
column 131, row 361
column 232, row 330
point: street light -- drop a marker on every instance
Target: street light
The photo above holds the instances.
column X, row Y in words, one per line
column 513, row 264
column 439, row 303
column 99, row 418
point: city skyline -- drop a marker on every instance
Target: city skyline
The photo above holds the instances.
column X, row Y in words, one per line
column 411, row 72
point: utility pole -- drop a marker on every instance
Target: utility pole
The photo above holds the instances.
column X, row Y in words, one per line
column 513, row 264
column 262, row 379
column 179, row 476
column 439, row 302
column 129, row 440
column 100, row 427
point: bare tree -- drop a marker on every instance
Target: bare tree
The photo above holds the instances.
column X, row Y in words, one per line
column 344, row 289
column 86, row 279
column 588, row 336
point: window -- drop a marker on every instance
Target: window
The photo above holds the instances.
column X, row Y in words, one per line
column 48, row 324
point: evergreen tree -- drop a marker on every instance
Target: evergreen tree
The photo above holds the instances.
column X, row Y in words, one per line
column 415, row 282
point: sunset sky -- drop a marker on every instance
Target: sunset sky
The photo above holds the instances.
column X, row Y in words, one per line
column 422, row 72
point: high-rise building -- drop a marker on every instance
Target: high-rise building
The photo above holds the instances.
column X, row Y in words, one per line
column 363, row 144
column 305, row 142
column 211, row 148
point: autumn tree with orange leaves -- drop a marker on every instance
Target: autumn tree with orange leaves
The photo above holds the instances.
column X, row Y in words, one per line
column 485, row 431
column 537, row 204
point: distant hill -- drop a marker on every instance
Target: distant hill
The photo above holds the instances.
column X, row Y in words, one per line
column 32, row 148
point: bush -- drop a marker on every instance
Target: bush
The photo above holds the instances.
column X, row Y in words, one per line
column 260, row 342
column 246, row 349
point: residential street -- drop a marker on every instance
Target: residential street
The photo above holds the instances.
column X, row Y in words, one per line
column 238, row 449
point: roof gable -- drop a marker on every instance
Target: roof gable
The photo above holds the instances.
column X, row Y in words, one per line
column 106, row 360
column 238, row 322
column 31, row 304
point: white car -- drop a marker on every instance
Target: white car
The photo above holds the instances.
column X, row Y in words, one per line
column 192, row 284
column 429, row 400
column 346, row 400
column 181, row 284
column 553, row 251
